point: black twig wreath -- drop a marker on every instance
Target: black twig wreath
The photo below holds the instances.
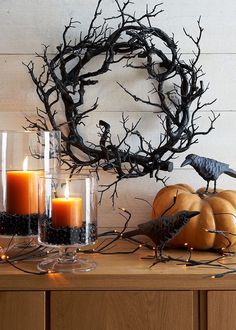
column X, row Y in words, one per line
column 64, row 79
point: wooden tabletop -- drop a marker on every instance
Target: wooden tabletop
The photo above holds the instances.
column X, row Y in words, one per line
column 125, row 272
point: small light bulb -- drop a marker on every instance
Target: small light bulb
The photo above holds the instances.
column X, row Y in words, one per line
column 140, row 245
column 213, row 276
column 3, row 257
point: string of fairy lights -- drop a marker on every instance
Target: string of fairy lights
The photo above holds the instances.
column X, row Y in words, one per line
column 107, row 246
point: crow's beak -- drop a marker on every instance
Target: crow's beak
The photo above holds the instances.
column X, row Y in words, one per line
column 186, row 162
column 192, row 214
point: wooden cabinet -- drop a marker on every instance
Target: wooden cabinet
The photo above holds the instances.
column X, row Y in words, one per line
column 118, row 310
column 122, row 293
column 221, row 310
column 124, row 310
column 22, row 310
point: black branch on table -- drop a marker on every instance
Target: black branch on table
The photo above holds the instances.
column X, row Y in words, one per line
column 176, row 94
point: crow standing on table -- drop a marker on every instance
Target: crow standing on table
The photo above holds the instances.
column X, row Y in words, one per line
column 209, row 169
column 163, row 229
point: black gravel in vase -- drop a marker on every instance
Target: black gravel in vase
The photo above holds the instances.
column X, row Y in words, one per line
column 17, row 224
column 67, row 235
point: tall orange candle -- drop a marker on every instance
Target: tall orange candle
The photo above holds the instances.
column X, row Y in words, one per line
column 22, row 191
column 67, row 211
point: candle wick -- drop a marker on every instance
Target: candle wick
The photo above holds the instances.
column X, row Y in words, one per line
column 55, row 194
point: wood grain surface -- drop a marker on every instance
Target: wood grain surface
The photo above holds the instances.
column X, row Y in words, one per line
column 22, row 310
column 221, row 310
column 124, row 272
column 123, row 310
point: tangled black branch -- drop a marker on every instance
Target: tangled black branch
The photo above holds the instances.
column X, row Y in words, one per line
column 177, row 91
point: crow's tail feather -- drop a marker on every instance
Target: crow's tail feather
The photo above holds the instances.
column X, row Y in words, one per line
column 131, row 233
column 231, row 172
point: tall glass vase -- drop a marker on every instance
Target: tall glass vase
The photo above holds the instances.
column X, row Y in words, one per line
column 24, row 157
column 68, row 220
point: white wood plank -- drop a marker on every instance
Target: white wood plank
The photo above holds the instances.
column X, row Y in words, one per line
column 17, row 92
column 12, row 120
column 217, row 20
column 26, row 24
column 147, row 188
column 218, row 144
column 149, row 125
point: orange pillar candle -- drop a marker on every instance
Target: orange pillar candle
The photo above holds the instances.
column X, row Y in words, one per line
column 67, row 212
column 22, row 191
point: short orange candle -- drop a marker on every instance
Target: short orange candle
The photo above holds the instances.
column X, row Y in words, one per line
column 67, row 212
column 22, row 192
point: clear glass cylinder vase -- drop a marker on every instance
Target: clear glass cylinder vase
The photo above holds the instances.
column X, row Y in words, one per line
column 67, row 219
column 24, row 157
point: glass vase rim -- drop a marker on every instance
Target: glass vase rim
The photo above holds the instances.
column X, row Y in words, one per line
column 65, row 176
column 27, row 132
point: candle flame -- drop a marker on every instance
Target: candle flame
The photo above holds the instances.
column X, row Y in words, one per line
column 25, row 163
column 67, row 192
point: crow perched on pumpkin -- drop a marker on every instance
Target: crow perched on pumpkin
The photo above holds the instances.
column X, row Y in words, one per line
column 163, row 229
column 209, row 169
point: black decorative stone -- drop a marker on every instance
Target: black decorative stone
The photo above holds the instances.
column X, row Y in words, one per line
column 20, row 225
column 67, row 235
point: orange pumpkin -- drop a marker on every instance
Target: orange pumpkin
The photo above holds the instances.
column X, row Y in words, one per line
column 217, row 212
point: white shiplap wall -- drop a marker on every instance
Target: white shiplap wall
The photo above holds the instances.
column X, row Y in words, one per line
column 26, row 24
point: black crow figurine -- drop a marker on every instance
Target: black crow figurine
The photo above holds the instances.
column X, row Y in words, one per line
column 209, row 169
column 163, row 229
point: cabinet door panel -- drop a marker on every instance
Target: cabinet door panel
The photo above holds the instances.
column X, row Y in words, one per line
column 119, row 310
column 22, row 310
column 221, row 310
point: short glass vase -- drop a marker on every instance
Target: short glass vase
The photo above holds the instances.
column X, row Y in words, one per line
column 67, row 220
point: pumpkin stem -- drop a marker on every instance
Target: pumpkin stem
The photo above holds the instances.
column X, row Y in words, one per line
column 170, row 207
